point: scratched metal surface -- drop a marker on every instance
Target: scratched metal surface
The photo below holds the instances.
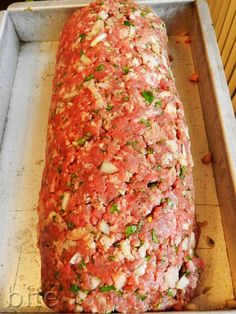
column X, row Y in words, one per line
column 21, row 165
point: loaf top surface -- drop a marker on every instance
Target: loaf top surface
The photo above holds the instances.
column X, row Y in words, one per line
column 116, row 209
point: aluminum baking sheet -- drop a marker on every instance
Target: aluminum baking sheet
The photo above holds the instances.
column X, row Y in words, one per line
column 23, row 149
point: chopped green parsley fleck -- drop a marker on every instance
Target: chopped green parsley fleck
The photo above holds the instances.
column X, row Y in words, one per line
column 109, row 107
column 182, row 172
column 132, row 143
column 154, row 237
column 82, row 264
column 147, row 258
column 114, row 209
column 96, row 111
column 188, row 257
column 187, row 273
column 148, row 96
column 125, row 70
column 170, row 202
column 150, row 150
column 70, row 225
column 158, row 103
column 89, row 78
column 100, row 67
column 170, row 293
column 81, row 141
column 74, row 288
column 107, row 288
column 147, row 123
column 139, row 226
column 145, row 12
column 127, row 23
column 82, row 36
column 130, row 230
column 142, row 297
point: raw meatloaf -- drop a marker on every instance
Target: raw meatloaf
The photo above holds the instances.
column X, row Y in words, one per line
column 116, row 209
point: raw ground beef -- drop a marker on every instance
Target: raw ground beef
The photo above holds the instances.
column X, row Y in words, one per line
column 116, row 209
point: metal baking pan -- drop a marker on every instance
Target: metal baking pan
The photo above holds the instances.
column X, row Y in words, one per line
column 28, row 43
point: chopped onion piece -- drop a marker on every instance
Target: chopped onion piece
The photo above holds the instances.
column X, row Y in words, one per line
column 76, row 258
column 126, row 249
column 80, row 297
column 78, row 308
column 93, row 89
column 79, row 233
column 183, row 283
column 104, row 227
column 108, row 167
column 119, row 280
column 140, row 271
column 98, row 39
column 172, row 145
column 65, row 200
column 171, row 276
column 94, row 281
column 142, row 250
column 97, row 27
column 70, row 95
column 71, row 301
column 192, row 241
column 106, row 242
column 103, row 15
column 185, row 244
column 185, row 226
column 85, row 60
column 170, row 108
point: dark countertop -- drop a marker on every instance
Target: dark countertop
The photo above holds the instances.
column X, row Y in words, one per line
column 5, row 3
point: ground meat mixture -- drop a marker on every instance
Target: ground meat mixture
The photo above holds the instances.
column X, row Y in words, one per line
column 116, row 210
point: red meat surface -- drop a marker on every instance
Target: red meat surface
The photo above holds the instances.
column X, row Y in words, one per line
column 116, row 209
